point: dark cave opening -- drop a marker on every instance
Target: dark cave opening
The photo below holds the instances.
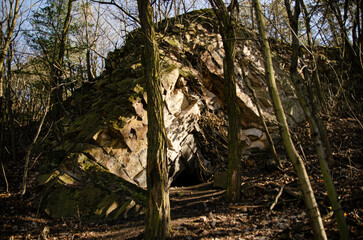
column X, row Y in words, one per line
column 188, row 177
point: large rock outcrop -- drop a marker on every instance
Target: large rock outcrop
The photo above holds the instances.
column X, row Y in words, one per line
column 109, row 134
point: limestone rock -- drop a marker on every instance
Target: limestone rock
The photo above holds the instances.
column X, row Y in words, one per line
column 111, row 132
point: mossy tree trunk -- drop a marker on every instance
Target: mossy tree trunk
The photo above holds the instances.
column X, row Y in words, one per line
column 313, row 119
column 227, row 22
column 308, row 194
column 157, row 216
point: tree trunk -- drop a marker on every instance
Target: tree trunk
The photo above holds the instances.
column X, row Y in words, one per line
column 360, row 27
column 315, row 88
column 317, row 84
column 157, row 216
column 5, row 43
column 31, row 146
column 228, row 33
column 90, row 75
column 352, row 54
column 57, row 93
column 89, row 65
column 308, row 194
column 313, row 119
column 2, row 118
column 9, row 103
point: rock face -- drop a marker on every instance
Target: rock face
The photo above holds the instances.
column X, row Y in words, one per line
column 110, row 130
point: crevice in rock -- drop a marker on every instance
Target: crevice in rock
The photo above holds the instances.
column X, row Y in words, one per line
column 133, row 133
column 144, row 104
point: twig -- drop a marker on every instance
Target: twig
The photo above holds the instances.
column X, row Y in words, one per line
column 276, row 198
column 350, row 167
column 112, row 2
column 35, row 160
column 291, row 192
column 6, row 180
column 40, row 202
column 302, row 151
column 79, row 216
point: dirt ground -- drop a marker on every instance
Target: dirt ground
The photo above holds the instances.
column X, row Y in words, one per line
column 270, row 207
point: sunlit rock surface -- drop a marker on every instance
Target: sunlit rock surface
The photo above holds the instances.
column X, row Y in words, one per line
column 109, row 131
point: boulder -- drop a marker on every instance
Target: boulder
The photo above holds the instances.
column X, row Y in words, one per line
column 110, row 133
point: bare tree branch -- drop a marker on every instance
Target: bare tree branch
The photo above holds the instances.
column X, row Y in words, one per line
column 112, row 2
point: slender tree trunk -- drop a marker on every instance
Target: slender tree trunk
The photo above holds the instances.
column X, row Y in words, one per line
column 58, row 68
column 352, row 53
column 157, row 216
column 313, row 119
column 31, row 146
column 320, row 150
column 89, row 65
column 227, row 27
column 9, row 102
column 2, row 118
column 316, row 89
column 5, row 43
column 360, row 26
column 316, row 78
column 357, row 29
column 88, row 53
column 308, row 194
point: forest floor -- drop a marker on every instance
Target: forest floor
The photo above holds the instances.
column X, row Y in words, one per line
column 271, row 207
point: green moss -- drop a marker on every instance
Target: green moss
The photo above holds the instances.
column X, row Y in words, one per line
column 91, row 201
column 138, row 89
column 172, row 41
column 84, row 162
column 60, row 203
column 88, row 198
column 168, row 68
column 137, row 66
column 46, row 178
column 68, row 202
column 117, row 124
column 86, row 126
column 66, row 179
column 134, row 98
column 186, row 72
